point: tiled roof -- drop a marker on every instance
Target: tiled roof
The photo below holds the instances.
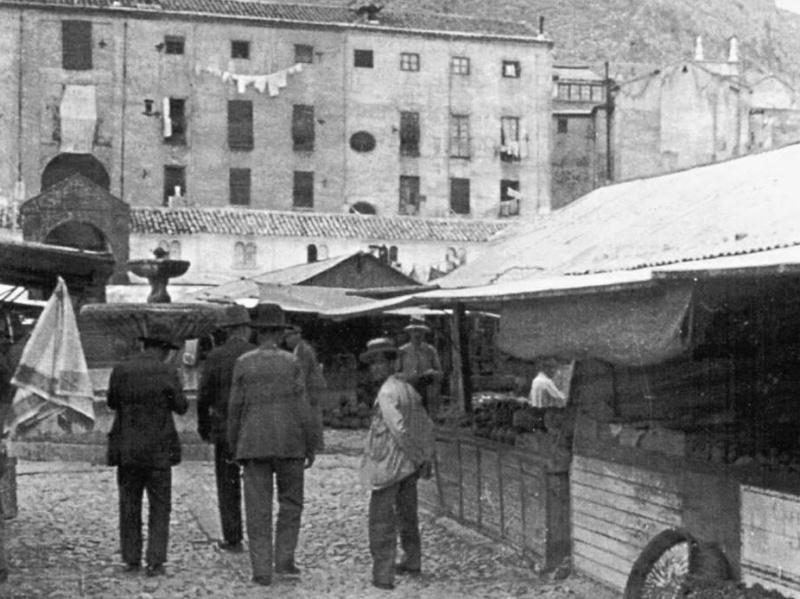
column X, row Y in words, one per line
column 314, row 15
column 738, row 207
column 192, row 221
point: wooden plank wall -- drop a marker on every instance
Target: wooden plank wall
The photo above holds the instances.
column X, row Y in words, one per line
column 616, row 510
column 503, row 493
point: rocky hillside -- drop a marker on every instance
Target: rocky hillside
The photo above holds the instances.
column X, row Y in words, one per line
column 644, row 31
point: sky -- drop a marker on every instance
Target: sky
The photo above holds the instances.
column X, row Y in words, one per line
column 793, row 5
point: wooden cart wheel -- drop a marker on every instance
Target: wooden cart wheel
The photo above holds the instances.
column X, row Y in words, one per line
column 671, row 560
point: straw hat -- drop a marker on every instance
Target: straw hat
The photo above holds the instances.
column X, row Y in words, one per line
column 375, row 347
column 269, row 317
column 417, row 323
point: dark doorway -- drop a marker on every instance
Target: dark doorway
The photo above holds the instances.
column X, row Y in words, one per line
column 66, row 165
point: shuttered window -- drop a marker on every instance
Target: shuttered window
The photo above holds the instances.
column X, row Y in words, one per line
column 240, row 187
column 459, row 196
column 303, row 191
column 303, row 128
column 459, row 136
column 76, row 45
column 240, row 125
column 409, row 134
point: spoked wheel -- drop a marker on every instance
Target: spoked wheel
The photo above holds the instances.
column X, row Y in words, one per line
column 669, row 562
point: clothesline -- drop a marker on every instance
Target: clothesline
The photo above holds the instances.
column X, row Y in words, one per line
column 271, row 83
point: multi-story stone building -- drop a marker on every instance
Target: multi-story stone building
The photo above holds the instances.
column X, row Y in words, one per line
column 251, row 105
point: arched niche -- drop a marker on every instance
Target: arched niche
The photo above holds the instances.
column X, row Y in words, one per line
column 65, row 165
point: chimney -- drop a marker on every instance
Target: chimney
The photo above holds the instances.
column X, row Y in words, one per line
column 733, row 54
column 541, row 25
column 698, row 48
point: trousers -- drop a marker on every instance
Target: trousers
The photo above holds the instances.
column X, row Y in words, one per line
column 288, row 476
column 133, row 482
column 393, row 510
column 229, row 493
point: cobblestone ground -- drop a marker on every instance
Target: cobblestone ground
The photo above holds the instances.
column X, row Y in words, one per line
column 64, row 543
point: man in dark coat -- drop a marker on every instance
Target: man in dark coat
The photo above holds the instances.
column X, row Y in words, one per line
column 212, row 417
column 144, row 445
column 315, row 381
column 272, row 430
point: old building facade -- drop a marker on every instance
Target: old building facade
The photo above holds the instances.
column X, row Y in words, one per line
column 275, row 107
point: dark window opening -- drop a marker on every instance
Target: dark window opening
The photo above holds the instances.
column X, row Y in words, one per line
column 240, row 125
column 174, row 184
column 240, row 186
column 362, row 141
column 174, row 44
column 363, row 208
column 363, row 59
column 311, row 254
column 409, row 62
column 240, row 49
column 409, row 134
column 175, row 129
column 563, row 125
column 303, row 190
column 303, row 128
column 303, row 53
column 512, row 69
column 459, row 196
column 509, row 198
column 393, row 254
column 509, row 139
column 459, row 65
column 409, row 195
column 76, row 45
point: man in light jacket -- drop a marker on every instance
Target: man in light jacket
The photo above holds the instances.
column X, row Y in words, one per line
column 399, row 451
column 273, row 432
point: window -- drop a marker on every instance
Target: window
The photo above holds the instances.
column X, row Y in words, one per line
column 574, row 92
column 245, row 254
column 239, row 185
column 459, row 65
column 409, row 134
column 509, row 198
column 409, row 61
column 175, row 121
column 303, row 128
column 173, row 248
column 586, row 93
column 363, row 59
column 562, row 125
column 311, row 254
column 174, row 184
column 459, row 196
column 393, row 254
column 509, row 139
column 409, row 195
column 303, row 53
column 240, row 125
column 76, row 45
column 511, row 68
column 303, row 191
column 240, row 49
column 174, row 44
column 598, row 94
column 563, row 91
column 459, row 136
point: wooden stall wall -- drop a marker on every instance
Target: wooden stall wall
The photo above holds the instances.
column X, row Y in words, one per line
column 508, row 494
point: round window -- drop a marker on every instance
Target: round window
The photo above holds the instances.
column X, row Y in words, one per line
column 362, row 141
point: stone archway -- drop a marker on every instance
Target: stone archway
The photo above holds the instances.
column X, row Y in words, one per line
column 79, row 235
column 66, row 165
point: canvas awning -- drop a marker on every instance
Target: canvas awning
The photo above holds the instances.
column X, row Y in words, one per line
column 78, row 113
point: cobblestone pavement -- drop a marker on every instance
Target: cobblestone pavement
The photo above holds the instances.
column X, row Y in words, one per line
column 64, row 543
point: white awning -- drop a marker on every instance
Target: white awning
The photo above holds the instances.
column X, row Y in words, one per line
column 78, row 114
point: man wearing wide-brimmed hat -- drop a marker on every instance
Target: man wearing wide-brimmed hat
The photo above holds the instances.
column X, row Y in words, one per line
column 144, row 445
column 419, row 361
column 272, row 431
column 212, row 416
column 399, row 451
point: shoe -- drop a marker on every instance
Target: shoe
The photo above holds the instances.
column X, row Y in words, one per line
column 386, row 586
column 232, row 547
column 264, row 581
column 155, row 570
column 131, row 568
column 403, row 569
column 288, row 570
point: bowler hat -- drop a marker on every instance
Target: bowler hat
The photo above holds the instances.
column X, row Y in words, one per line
column 269, row 316
column 381, row 345
column 234, row 315
column 417, row 323
column 159, row 333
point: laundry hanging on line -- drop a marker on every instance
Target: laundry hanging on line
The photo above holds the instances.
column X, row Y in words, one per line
column 270, row 83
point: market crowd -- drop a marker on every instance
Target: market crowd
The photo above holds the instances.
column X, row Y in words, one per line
column 259, row 405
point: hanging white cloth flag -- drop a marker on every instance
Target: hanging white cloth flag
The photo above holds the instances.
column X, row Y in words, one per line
column 52, row 377
column 167, row 118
